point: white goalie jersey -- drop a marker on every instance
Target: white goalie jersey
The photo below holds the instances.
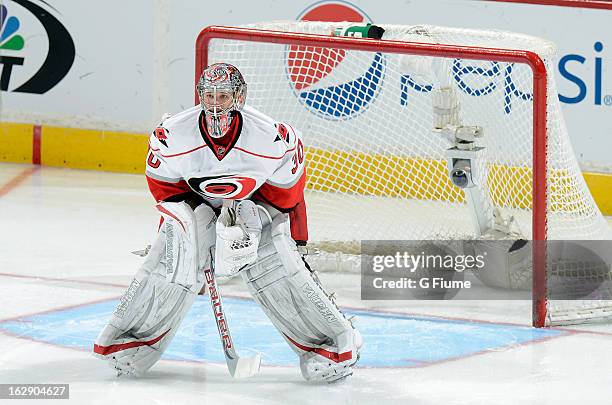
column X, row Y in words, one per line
column 258, row 159
column 229, row 183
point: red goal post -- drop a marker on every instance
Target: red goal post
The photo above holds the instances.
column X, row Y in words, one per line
column 539, row 194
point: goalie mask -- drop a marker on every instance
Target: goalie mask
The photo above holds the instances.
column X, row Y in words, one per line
column 222, row 89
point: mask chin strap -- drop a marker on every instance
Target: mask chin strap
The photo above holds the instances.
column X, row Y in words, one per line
column 218, row 125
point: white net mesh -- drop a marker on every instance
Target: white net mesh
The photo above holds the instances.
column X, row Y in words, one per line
column 376, row 167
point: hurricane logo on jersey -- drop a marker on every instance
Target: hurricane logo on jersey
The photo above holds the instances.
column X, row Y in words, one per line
column 160, row 134
column 230, row 186
column 282, row 133
column 333, row 83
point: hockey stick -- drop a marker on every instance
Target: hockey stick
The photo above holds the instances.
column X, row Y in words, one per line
column 239, row 367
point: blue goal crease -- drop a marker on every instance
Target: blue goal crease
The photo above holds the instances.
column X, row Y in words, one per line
column 390, row 340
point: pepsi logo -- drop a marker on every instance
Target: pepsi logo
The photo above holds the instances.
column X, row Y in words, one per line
column 332, row 83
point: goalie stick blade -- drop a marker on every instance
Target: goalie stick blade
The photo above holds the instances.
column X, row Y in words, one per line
column 244, row 367
column 143, row 252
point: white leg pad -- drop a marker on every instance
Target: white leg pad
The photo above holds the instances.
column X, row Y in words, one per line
column 299, row 308
column 182, row 254
column 151, row 310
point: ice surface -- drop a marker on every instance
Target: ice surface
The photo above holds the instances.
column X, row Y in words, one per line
column 65, row 242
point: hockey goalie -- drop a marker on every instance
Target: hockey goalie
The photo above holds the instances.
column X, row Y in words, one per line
column 229, row 185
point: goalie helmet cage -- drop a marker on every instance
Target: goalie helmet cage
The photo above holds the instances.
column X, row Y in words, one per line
column 283, row 61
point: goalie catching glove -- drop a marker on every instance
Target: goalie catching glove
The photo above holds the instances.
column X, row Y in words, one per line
column 238, row 234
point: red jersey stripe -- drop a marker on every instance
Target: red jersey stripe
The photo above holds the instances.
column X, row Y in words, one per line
column 162, row 190
column 283, row 199
column 177, row 154
column 264, row 156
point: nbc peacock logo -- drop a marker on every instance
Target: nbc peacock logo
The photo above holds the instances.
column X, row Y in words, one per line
column 59, row 54
column 333, row 83
column 9, row 38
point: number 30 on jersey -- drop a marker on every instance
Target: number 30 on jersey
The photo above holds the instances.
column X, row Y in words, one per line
column 298, row 156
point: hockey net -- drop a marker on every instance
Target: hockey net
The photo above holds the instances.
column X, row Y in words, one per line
column 376, row 159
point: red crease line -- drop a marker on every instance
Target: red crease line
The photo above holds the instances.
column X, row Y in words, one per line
column 17, row 180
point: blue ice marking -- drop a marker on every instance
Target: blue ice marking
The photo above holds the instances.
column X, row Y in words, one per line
column 389, row 340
